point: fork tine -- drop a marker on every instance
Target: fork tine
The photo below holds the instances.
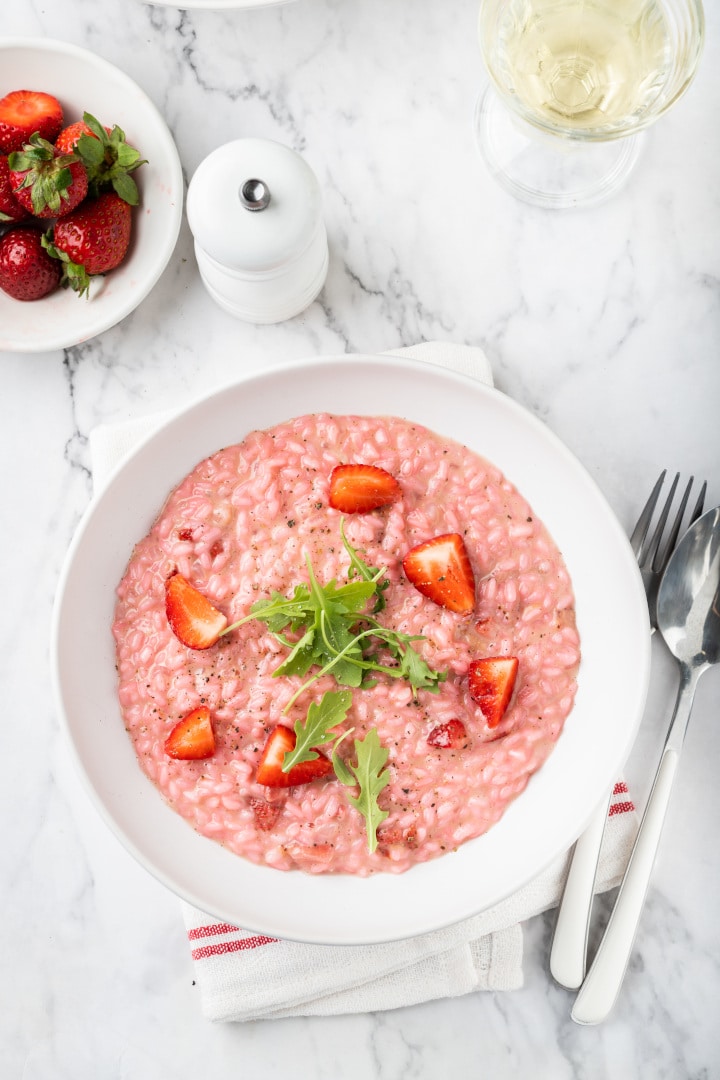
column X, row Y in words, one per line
column 640, row 531
column 651, row 555
column 699, row 504
column 658, row 562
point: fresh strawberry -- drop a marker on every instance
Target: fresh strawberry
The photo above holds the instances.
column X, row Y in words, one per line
column 193, row 619
column 451, row 735
column 357, row 489
column 265, row 814
column 280, row 742
column 192, row 738
column 26, row 270
column 67, row 140
column 92, row 239
column 491, row 682
column 440, row 569
column 46, row 182
column 10, row 208
column 108, row 158
column 26, row 112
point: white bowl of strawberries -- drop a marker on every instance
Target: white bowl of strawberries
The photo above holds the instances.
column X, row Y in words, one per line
column 91, row 195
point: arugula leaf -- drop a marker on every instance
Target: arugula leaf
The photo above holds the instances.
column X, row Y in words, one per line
column 301, row 658
column 336, row 633
column 360, row 569
column 316, row 729
column 279, row 612
column 342, row 771
column 372, row 777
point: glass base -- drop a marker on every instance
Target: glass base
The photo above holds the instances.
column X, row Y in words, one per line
column 548, row 170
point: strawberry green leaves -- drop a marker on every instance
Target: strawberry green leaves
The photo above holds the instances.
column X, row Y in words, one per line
column 371, row 776
column 109, row 160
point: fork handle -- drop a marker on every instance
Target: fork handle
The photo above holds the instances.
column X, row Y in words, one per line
column 569, row 947
column 599, row 992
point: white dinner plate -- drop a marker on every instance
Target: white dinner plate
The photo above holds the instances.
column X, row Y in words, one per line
column 542, row 823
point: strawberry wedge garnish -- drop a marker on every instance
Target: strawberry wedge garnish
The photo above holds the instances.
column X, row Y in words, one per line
column 440, row 569
column 281, row 741
column 265, row 814
column 491, row 681
column 452, row 735
column 193, row 619
column 358, row 489
column 192, row 738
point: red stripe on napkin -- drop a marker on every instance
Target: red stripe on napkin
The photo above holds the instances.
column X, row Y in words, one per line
column 237, row 944
column 212, row 931
column 623, row 807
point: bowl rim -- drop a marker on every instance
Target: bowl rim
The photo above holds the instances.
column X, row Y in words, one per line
column 216, row 5
column 55, row 337
column 634, row 628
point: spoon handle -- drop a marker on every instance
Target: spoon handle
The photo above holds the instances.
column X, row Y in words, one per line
column 569, row 947
column 599, row 992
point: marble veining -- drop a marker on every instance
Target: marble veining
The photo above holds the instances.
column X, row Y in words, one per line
column 604, row 323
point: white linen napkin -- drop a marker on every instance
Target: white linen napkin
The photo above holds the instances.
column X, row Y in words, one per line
column 248, row 976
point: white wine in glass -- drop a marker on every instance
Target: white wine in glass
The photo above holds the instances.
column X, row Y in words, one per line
column 574, row 82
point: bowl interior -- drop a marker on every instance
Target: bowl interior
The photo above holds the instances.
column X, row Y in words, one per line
column 84, row 82
column 541, row 824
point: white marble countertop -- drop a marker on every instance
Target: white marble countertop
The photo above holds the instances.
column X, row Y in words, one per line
column 605, row 323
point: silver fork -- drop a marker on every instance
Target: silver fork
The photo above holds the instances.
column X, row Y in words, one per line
column 651, row 557
column 568, row 955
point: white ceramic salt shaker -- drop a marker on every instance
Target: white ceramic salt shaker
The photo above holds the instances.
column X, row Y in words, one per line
column 255, row 211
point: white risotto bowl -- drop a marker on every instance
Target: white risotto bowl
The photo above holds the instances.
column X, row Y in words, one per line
column 84, row 82
column 541, row 824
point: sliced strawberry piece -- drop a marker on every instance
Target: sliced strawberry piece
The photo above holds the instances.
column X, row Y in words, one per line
column 280, row 742
column 265, row 814
column 193, row 619
column 451, row 735
column 440, row 569
column 358, row 489
column 491, row 681
column 25, row 112
column 193, row 737
column 390, row 836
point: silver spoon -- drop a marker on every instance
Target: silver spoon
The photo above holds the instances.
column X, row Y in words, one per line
column 688, row 615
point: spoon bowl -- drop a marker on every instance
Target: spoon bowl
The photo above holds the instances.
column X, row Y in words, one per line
column 688, row 605
column 688, row 617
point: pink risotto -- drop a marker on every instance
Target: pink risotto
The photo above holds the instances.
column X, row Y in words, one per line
column 240, row 527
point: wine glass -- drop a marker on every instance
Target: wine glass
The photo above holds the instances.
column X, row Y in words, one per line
column 573, row 85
